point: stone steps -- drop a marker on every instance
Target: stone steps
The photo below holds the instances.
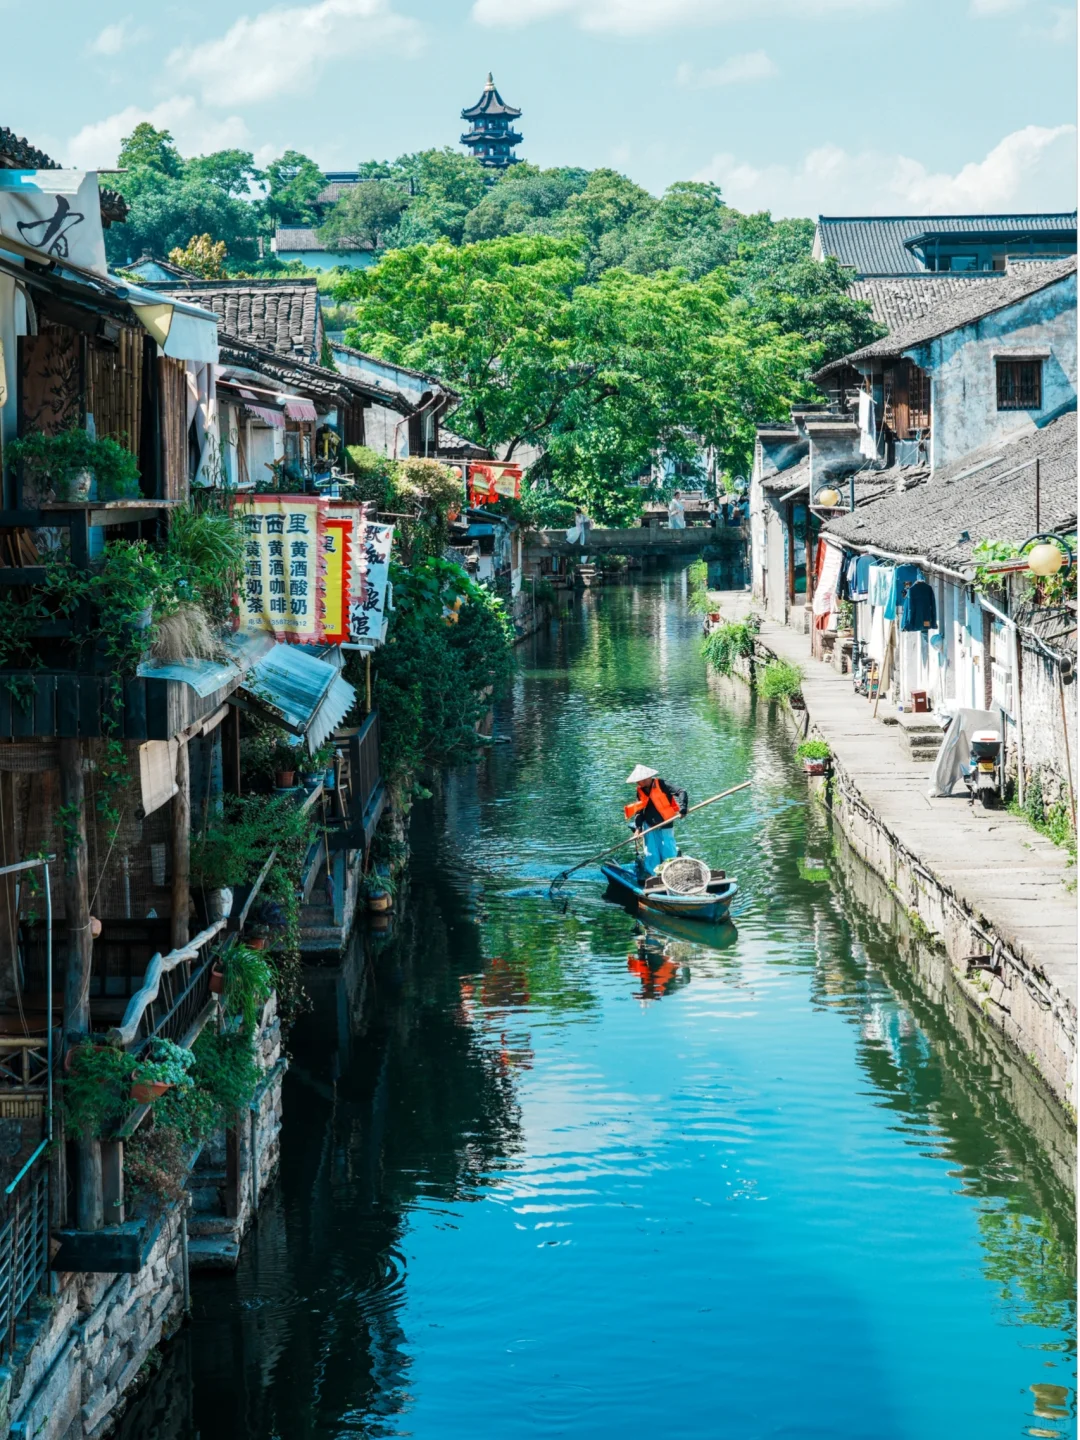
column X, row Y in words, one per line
column 208, row 1252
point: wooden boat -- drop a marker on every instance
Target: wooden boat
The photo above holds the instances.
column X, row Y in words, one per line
column 652, row 895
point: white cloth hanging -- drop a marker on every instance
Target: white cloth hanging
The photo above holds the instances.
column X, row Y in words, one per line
column 867, row 426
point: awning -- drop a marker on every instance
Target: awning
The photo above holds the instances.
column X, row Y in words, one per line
column 204, row 676
column 297, row 409
column 273, row 418
column 183, row 331
column 305, row 695
column 795, row 490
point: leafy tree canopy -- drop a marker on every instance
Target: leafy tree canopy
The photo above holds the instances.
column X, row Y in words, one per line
column 293, row 184
column 365, row 215
column 606, row 376
column 150, row 149
column 233, row 171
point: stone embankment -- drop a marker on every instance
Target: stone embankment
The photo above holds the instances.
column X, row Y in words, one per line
column 996, row 896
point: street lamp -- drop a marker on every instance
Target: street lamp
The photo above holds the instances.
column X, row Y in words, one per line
column 828, row 499
column 1050, row 553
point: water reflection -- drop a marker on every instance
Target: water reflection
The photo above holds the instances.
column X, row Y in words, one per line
column 561, row 1173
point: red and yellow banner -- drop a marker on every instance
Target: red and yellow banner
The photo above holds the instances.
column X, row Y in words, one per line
column 490, row 481
column 342, row 527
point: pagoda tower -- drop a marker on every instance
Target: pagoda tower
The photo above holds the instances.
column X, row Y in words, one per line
column 491, row 136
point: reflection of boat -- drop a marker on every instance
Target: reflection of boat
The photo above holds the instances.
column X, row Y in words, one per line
column 653, row 896
column 703, row 935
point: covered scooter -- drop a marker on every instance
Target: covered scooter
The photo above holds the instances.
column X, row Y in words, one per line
column 981, row 772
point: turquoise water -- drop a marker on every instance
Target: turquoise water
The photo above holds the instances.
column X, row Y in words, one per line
column 761, row 1190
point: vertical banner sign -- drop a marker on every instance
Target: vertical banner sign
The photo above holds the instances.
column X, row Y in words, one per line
column 284, row 566
column 339, row 528
column 367, row 614
column 55, row 211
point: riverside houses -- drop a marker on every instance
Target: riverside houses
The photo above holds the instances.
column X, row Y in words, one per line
column 131, row 697
column 952, row 435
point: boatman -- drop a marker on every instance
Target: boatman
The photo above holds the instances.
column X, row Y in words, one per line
column 656, row 803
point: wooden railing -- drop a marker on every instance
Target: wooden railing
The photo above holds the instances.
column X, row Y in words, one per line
column 183, row 1003
column 367, row 776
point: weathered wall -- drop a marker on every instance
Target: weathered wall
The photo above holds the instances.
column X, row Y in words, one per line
column 1046, row 750
column 86, row 1345
column 221, row 1211
column 962, row 365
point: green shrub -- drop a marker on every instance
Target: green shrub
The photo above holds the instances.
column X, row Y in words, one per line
column 779, row 680
column 813, row 750
column 697, row 588
column 54, row 460
column 729, row 643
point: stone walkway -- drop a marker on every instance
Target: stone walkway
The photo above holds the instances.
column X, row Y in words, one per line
column 994, row 862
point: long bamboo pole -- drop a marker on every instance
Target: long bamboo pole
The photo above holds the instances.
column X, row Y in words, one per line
column 565, row 874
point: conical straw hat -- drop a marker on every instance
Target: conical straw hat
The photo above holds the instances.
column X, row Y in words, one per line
column 640, row 772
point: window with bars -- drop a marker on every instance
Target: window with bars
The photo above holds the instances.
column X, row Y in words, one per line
column 918, row 398
column 1019, row 384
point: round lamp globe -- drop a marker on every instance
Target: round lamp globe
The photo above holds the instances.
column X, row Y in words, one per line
column 1045, row 560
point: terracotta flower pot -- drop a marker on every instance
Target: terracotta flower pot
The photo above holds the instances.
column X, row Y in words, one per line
column 284, row 779
column 148, row 1093
column 816, row 767
column 217, row 980
column 379, row 904
column 257, row 942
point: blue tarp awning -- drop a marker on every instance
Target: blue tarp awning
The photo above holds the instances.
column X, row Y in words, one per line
column 305, row 695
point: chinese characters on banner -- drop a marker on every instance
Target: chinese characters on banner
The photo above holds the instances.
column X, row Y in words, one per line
column 371, row 569
column 489, row 482
column 284, row 566
column 341, row 525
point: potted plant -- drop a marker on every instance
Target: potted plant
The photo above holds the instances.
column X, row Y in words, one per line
column 73, row 465
column 284, row 765
column 163, row 1067
column 378, row 889
column 258, row 937
column 816, row 757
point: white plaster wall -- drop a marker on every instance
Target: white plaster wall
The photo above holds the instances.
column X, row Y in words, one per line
column 776, row 565
column 962, row 364
column 1043, row 724
column 381, row 432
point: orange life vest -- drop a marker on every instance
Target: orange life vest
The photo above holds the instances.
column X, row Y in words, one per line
column 647, row 790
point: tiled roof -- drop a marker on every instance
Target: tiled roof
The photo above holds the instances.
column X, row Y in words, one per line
column 971, row 499
column 304, row 237
column 896, row 300
column 281, row 315
column 490, row 103
column 312, row 380
column 432, row 380
column 785, row 480
column 874, row 244
column 963, row 308
column 177, row 271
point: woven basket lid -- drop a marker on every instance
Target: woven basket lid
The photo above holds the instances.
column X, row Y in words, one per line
column 685, row 875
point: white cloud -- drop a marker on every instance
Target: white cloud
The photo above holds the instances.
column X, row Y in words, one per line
column 641, row 17
column 282, row 50
column 739, row 70
column 982, row 9
column 195, row 132
column 1031, row 169
column 116, row 37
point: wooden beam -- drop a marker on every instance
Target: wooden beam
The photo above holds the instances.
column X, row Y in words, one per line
column 181, row 849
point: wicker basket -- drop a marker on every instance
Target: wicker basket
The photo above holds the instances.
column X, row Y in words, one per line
column 685, row 875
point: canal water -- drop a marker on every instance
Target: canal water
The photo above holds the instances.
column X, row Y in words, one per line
column 532, row 1187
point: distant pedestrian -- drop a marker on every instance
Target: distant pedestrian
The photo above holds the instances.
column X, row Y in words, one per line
column 676, row 514
column 584, row 526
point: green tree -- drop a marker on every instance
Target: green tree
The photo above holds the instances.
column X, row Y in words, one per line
column 525, row 200
column 365, row 215
column 492, row 319
column 165, row 213
column 609, row 202
column 447, row 186
column 607, row 377
column 810, row 298
column 293, row 184
column 149, row 149
column 233, row 171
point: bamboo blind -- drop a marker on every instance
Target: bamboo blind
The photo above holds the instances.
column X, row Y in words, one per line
column 114, row 388
column 174, row 448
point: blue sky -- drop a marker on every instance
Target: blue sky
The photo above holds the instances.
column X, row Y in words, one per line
column 802, row 106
